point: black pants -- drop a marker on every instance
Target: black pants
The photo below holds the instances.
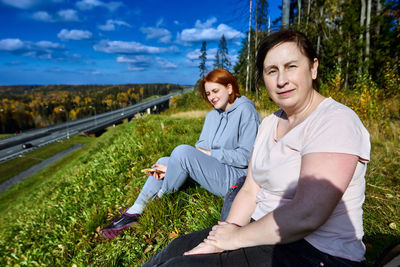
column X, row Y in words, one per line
column 299, row 253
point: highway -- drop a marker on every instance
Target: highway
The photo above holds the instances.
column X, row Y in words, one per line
column 12, row 147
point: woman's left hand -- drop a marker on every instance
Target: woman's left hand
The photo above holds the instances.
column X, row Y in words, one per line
column 203, row 248
column 221, row 236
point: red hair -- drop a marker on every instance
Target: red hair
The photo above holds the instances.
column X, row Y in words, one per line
column 223, row 77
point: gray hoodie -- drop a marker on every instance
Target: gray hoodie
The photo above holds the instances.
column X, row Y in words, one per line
column 230, row 134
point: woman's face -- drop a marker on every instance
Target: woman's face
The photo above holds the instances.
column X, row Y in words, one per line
column 218, row 95
column 288, row 76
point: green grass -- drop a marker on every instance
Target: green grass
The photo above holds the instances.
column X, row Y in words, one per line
column 14, row 166
column 56, row 214
column 381, row 208
column 5, row 135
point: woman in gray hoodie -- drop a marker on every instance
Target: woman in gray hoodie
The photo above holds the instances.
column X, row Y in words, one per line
column 218, row 160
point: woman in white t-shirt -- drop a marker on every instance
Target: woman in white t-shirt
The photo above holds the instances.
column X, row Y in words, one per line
column 301, row 203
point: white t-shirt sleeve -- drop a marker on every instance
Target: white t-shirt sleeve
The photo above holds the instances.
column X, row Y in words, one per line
column 338, row 131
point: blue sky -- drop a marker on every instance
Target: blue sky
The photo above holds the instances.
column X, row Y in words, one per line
column 115, row 42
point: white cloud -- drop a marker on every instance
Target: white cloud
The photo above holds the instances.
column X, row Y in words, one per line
column 49, row 45
column 193, row 55
column 193, row 58
column 205, row 32
column 163, row 35
column 27, row 4
column 23, row 4
column 11, row 44
column 65, row 34
column 110, row 25
column 133, row 59
column 160, row 22
column 165, row 64
column 39, row 50
column 42, row 16
column 206, row 24
column 68, row 15
column 90, row 4
column 134, row 68
column 62, row 15
column 107, row 27
column 45, row 56
column 136, row 63
column 131, row 48
column 112, row 6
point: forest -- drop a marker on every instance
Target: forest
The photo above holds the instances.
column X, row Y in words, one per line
column 357, row 42
column 26, row 107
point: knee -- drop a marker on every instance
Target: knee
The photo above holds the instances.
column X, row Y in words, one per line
column 163, row 160
column 182, row 152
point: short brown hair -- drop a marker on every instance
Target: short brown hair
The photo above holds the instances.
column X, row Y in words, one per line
column 283, row 36
column 223, row 77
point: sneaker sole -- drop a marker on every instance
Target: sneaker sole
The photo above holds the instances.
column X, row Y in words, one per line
column 111, row 233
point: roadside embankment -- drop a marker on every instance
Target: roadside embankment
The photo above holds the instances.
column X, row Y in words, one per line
column 4, row 186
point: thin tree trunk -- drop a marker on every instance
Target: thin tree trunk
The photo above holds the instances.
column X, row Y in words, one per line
column 248, row 51
column 308, row 12
column 298, row 12
column 340, row 34
column 378, row 13
column 367, row 33
column 255, row 49
column 362, row 23
column 285, row 14
column 321, row 14
column 269, row 25
column 346, row 76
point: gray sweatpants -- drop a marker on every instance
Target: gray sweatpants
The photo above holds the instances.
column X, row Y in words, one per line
column 186, row 161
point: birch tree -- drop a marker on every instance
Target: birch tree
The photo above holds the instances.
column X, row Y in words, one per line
column 285, row 14
column 248, row 49
column 367, row 31
column 362, row 25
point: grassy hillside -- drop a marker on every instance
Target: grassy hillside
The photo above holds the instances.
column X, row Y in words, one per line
column 55, row 219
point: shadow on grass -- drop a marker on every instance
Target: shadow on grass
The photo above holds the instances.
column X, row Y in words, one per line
column 377, row 245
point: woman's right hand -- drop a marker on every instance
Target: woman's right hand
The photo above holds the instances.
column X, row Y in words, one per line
column 161, row 167
column 205, row 151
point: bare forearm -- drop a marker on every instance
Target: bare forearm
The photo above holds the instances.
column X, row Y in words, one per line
column 280, row 226
column 242, row 208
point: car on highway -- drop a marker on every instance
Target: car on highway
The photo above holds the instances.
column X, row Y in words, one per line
column 26, row 145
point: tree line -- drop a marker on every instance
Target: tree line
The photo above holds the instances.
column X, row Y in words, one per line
column 26, row 107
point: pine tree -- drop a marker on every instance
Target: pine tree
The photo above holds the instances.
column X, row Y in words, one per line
column 217, row 61
column 221, row 58
column 203, row 59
